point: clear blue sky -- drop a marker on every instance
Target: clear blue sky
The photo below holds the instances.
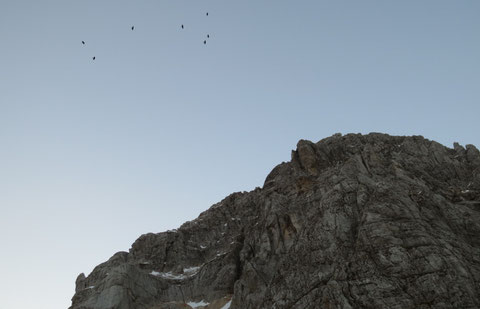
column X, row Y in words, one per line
column 161, row 126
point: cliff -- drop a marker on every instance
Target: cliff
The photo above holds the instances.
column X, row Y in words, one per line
column 354, row 221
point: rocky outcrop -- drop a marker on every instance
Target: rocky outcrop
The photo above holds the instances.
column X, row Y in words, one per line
column 354, row 221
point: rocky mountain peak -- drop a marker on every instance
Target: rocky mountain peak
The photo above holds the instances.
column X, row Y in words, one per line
column 354, row 221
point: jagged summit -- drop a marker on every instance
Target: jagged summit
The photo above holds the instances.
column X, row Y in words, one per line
column 354, row 221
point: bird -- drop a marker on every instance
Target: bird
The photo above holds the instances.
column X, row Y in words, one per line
column 182, row 26
column 93, row 58
column 208, row 36
column 133, row 27
column 205, row 42
column 83, row 42
column 207, row 13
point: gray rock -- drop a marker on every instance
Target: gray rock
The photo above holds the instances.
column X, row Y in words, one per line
column 354, row 221
column 80, row 283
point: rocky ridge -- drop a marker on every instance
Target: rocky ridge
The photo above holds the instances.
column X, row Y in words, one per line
column 354, row 221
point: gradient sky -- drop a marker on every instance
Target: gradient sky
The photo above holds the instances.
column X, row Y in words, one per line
column 160, row 126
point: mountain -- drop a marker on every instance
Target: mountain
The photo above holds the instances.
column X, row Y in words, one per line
column 354, row 221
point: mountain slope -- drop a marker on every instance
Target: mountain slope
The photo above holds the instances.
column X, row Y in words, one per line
column 354, row 221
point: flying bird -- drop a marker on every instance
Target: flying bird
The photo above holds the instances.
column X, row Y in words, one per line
column 207, row 13
column 133, row 27
column 83, row 42
column 93, row 58
column 182, row 26
column 208, row 36
column 205, row 42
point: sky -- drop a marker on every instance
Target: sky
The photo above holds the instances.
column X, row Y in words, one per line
column 160, row 126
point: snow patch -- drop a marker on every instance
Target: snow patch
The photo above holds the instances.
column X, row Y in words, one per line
column 191, row 270
column 169, row 275
column 187, row 273
column 199, row 304
column 90, row 287
column 227, row 305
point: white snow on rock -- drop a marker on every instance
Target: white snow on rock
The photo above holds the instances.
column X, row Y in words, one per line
column 227, row 305
column 191, row 270
column 169, row 275
column 187, row 272
column 199, row 304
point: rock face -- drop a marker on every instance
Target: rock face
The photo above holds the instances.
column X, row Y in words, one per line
column 354, row 221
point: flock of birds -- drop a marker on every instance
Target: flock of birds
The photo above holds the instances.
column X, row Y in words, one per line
column 182, row 26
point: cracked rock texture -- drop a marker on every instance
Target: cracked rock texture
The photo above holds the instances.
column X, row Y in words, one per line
column 354, row 221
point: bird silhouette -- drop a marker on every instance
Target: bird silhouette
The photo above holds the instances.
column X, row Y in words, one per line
column 133, row 27
column 207, row 13
column 93, row 58
column 83, row 42
column 208, row 36
column 182, row 26
column 205, row 42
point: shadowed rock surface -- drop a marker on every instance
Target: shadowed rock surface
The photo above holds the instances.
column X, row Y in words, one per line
column 354, row 221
